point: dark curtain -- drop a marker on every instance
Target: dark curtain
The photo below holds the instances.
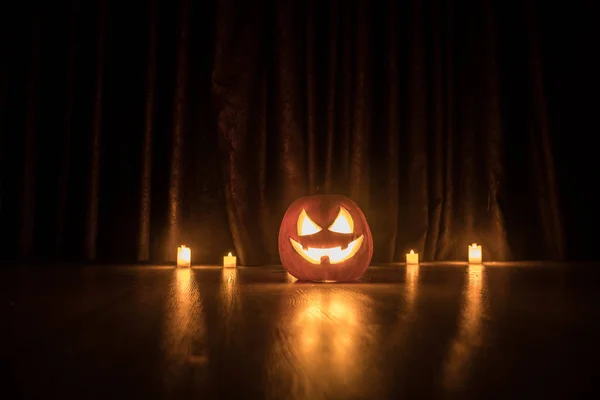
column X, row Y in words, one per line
column 128, row 129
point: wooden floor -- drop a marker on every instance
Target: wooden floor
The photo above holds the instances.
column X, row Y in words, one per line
column 435, row 331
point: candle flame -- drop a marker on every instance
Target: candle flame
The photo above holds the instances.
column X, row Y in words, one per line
column 474, row 245
column 412, row 252
column 229, row 255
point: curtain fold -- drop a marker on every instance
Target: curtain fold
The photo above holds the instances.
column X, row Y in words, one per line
column 239, row 49
column 127, row 130
column 64, row 170
column 389, row 181
column 495, row 149
column 91, row 238
column 175, row 233
column 143, row 253
column 416, row 218
column 28, row 183
column 547, row 192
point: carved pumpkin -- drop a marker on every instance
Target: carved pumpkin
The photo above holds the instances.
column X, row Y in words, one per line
column 325, row 238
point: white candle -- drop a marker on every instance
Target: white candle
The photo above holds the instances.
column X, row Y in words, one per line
column 412, row 257
column 229, row 261
column 475, row 254
column 184, row 256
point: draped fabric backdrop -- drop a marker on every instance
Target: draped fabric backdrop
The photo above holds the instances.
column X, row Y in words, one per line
column 127, row 130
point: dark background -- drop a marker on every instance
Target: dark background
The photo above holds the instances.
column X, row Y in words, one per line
column 126, row 130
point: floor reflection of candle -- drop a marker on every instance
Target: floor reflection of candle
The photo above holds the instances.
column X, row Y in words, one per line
column 412, row 277
column 469, row 335
column 229, row 296
column 184, row 324
column 406, row 307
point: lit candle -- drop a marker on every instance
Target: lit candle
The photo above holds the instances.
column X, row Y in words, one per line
column 412, row 257
column 475, row 254
column 184, row 256
column 229, row 261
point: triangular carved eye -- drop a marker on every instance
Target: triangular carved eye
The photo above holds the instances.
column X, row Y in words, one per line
column 306, row 226
column 343, row 222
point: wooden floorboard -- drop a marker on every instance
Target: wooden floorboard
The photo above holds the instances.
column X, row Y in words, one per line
column 435, row 331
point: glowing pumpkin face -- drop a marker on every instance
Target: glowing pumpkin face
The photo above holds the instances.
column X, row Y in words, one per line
column 325, row 238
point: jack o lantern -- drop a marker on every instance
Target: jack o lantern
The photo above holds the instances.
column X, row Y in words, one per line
column 325, row 238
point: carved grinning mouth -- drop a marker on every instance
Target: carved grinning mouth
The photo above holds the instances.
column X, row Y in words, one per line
column 335, row 255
